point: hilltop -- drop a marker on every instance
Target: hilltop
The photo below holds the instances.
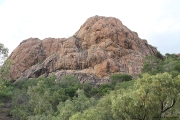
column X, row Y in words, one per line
column 101, row 47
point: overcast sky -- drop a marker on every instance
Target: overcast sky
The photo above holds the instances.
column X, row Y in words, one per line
column 157, row 21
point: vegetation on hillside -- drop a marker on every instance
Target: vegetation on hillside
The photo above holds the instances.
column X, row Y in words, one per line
column 3, row 53
column 154, row 94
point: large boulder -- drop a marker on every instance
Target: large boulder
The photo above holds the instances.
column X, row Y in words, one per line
column 101, row 47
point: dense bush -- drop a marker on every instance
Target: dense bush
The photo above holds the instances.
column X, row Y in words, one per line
column 154, row 65
column 177, row 67
column 118, row 78
column 6, row 89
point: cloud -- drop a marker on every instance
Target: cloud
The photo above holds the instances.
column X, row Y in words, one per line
column 21, row 19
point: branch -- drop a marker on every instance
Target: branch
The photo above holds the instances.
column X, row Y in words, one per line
column 173, row 102
column 162, row 106
column 122, row 117
column 144, row 115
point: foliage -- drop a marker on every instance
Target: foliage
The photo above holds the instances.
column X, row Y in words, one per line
column 159, row 55
column 4, row 64
column 70, row 107
column 177, row 67
column 97, row 91
column 101, row 112
column 124, row 85
column 154, row 65
column 149, row 98
column 154, row 95
column 5, row 90
column 4, row 70
column 3, row 53
column 118, row 78
column 39, row 97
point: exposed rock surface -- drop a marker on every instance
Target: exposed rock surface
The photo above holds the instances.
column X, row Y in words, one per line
column 30, row 52
column 102, row 46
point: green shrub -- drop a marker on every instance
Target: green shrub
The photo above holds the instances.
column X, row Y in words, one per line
column 118, row 78
column 124, row 85
column 4, row 96
column 68, row 81
column 177, row 67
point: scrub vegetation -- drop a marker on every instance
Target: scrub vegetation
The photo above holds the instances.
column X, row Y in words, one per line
column 152, row 95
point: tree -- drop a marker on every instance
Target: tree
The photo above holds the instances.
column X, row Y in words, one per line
column 37, row 96
column 151, row 97
column 20, row 108
column 159, row 55
column 3, row 53
column 71, row 84
column 90, row 114
column 5, row 92
column 152, row 65
column 81, row 102
column 125, row 85
column 4, row 70
column 177, row 67
column 78, row 105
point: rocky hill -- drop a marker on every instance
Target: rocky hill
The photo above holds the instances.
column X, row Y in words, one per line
column 101, row 47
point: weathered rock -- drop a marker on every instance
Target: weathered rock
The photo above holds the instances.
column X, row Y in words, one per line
column 27, row 54
column 31, row 52
column 102, row 46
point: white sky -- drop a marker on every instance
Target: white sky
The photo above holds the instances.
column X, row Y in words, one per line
column 158, row 21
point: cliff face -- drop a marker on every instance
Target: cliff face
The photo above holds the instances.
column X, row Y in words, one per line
column 102, row 46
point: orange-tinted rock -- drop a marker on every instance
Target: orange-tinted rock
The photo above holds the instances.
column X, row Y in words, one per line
column 30, row 52
column 103, row 46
